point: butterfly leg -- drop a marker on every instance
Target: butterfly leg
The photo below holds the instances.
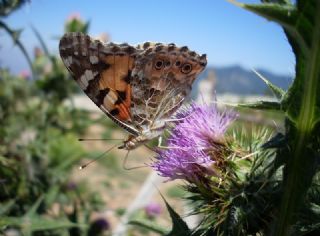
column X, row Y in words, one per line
column 178, row 119
column 124, row 163
column 160, row 143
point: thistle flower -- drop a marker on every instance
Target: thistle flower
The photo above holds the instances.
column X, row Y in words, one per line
column 74, row 16
column 195, row 143
column 98, row 226
column 75, row 23
column 152, row 209
column 25, row 74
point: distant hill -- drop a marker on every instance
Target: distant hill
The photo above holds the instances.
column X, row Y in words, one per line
column 241, row 81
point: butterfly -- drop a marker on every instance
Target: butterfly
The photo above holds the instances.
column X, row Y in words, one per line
column 139, row 88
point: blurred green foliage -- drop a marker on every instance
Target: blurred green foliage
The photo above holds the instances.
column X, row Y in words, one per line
column 39, row 147
column 75, row 24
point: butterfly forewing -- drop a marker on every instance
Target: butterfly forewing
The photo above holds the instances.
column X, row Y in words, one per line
column 103, row 72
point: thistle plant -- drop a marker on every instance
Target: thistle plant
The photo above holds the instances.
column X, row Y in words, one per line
column 255, row 182
column 225, row 172
column 298, row 148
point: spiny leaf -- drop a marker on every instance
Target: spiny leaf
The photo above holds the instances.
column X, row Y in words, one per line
column 277, row 91
column 277, row 1
column 263, row 105
column 41, row 41
column 279, row 140
column 150, row 225
column 14, row 34
column 284, row 14
column 7, row 7
column 179, row 227
column 303, row 103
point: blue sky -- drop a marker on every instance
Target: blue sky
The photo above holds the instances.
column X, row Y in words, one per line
column 227, row 34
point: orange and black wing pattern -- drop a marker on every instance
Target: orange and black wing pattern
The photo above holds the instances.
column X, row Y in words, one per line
column 103, row 72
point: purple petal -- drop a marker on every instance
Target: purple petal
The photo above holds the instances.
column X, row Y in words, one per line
column 196, row 131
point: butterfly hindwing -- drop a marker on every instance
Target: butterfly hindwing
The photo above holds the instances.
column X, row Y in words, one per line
column 161, row 80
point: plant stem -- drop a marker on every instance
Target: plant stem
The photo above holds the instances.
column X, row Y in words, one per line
column 301, row 166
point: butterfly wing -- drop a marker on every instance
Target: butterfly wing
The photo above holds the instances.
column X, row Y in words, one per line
column 103, row 72
column 161, row 79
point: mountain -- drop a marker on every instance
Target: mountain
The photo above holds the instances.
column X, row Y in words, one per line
column 240, row 81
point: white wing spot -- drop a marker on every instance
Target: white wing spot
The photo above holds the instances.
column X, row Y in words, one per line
column 86, row 77
column 93, row 46
column 83, row 82
column 110, row 98
column 105, row 50
column 68, row 61
column 94, row 59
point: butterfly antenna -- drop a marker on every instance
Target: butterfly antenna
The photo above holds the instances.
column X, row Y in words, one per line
column 98, row 157
column 130, row 168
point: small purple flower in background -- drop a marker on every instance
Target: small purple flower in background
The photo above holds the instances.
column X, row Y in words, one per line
column 98, row 226
column 152, row 210
column 71, row 186
column 25, row 74
column 194, row 144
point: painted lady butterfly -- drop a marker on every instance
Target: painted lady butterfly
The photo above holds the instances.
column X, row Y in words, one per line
column 139, row 88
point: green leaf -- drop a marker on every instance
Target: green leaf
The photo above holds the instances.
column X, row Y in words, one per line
column 32, row 211
column 281, row 13
column 284, row 14
column 262, row 105
column 5, row 207
column 7, row 7
column 31, row 224
column 279, row 140
column 14, row 34
column 179, row 226
column 52, row 194
column 41, row 41
column 10, row 221
column 39, row 224
column 303, row 112
column 277, row 91
column 150, row 225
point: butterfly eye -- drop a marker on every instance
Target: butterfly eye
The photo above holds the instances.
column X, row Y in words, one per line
column 158, row 65
column 186, row 68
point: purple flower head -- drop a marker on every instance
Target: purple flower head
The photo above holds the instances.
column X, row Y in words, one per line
column 198, row 130
column 152, row 209
column 71, row 186
column 98, row 226
column 74, row 16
